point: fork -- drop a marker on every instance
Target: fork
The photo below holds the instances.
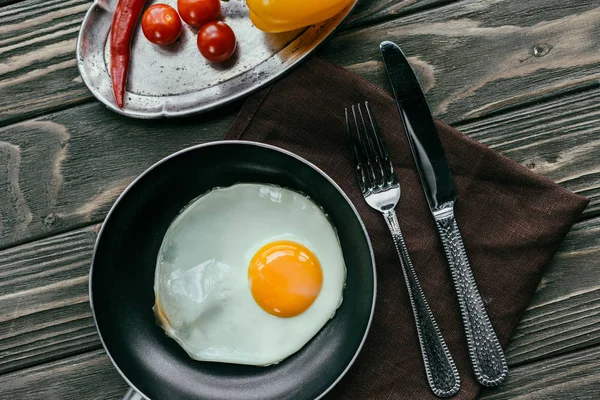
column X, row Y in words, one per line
column 381, row 190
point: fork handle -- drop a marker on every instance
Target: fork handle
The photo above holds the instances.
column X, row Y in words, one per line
column 440, row 369
column 487, row 357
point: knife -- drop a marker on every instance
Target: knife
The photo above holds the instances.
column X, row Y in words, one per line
column 486, row 354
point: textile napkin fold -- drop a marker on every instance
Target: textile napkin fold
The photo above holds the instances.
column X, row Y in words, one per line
column 512, row 221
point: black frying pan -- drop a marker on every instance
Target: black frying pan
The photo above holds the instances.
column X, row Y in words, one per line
column 122, row 278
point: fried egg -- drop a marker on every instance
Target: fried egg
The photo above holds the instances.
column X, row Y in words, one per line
column 248, row 274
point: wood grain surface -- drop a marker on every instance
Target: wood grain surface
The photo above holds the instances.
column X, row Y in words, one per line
column 38, row 70
column 474, row 57
column 480, row 57
column 368, row 12
column 519, row 76
column 564, row 312
column 43, row 297
column 559, row 139
column 89, row 376
column 574, row 376
column 65, row 170
column 44, row 300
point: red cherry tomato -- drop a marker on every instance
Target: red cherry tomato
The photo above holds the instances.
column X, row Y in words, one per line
column 216, row 41
column 198, row 12
column 161, row 24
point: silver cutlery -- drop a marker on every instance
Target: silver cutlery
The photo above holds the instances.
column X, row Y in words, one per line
column 381, row 190
column 486, row 354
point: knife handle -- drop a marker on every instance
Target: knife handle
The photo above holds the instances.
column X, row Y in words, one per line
column 487, row 357
column 440, row 369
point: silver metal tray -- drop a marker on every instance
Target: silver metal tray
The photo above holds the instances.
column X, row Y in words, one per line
column 176, row 80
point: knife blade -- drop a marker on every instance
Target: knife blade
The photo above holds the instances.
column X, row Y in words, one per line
column 425, row 143
column 486, row 354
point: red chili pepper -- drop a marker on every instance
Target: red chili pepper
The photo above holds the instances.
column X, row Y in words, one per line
column 126, row 16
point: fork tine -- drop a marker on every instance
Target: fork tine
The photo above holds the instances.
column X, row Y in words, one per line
column 361, row 138
column 378, row 167
column 381, row 146
column 365, row 148
column 368, row 137
column 352, row 140
column 358, row 156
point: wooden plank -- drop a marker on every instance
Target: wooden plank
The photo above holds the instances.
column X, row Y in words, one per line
column 479, row 57
column 368, row 12
column 573, row 376
column 564, row 313
column 91, row 376
column 66, row 169
column 44, row 312
column 38, row 70
column 559, row 139
column 473, row 57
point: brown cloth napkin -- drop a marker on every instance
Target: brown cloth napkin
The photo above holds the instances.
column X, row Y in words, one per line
column 511, row 219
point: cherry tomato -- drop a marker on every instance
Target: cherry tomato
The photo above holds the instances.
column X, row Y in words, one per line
column 216, row 41
column 161, row 24
column 198, row 12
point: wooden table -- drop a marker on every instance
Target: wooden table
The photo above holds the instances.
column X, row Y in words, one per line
column 521, row 76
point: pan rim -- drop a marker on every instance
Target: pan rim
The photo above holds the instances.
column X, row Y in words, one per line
column 244, row 143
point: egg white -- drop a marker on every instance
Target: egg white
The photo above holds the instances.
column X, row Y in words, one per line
column 201, row 280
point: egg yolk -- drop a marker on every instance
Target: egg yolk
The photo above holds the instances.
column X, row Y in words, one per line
column 285, row 278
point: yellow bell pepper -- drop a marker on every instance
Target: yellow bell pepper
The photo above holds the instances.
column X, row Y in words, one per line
column 287, row 15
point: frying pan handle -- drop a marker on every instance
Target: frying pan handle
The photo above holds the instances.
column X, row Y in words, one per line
column 133, row 395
